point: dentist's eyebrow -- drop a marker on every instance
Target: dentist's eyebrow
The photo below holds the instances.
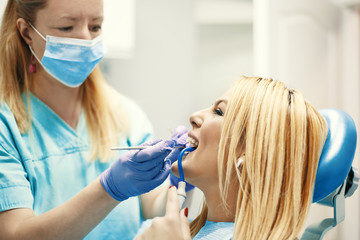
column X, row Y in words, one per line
column 68, row 17
column 75, row 18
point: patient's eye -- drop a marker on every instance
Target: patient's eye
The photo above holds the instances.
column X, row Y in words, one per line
column 219, row 107
column 218, row 111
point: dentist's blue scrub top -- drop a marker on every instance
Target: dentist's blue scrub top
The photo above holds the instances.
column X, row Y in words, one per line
column 47, row 166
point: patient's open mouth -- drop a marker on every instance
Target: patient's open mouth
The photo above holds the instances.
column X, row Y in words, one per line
column 192, row 142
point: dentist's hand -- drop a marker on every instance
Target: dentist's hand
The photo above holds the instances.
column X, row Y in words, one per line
column 137, row 172
column 174, row 180
column 180, row 135
column 174, row 225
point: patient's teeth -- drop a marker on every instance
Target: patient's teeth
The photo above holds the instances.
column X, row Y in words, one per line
column 192, row 142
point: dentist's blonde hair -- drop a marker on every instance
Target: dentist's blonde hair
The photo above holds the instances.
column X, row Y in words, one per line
column 280, row 136
column 104, row 116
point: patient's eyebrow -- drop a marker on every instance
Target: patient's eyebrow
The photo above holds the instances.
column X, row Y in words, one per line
column 217, row 102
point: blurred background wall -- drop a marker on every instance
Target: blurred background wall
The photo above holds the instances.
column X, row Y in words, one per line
column 174, row 57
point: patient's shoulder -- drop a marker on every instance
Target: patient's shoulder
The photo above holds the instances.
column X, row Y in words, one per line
column 216, row 230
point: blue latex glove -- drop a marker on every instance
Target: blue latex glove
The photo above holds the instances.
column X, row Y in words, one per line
column 179, row 136
column 137, row 172
column 174, row 180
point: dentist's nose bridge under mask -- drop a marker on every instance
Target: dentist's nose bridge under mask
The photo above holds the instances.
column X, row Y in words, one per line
column 70, row 60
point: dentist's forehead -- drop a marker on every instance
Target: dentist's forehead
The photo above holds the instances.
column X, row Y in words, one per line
column 74, row 9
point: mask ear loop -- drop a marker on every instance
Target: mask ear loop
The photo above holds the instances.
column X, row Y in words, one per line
column 37, row 31
column 32, row 51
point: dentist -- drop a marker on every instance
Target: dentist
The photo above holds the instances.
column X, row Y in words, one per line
column 58, row 120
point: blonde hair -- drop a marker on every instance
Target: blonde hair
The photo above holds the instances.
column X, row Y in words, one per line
column 98, row 96
column 280, row 137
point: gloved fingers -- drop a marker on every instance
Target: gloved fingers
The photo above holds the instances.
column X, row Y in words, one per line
column 174, row 180
column 182, row 140
column 189, row 187
column 174, row 154
column 148, row 165
column 158, row 161
column 158, row 176
column 178, row 132
column 153, row 152
column 180, row 135
column 165, row 170
column 146, row 184
column 155, row 173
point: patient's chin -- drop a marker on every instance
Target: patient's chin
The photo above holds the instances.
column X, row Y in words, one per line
column 175, row 169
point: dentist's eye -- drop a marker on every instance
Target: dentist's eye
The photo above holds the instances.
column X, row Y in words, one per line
column 65, row 29
column 95, row 28
column 218, row 112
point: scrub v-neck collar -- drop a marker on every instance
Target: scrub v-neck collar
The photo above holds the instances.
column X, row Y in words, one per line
column 51, row 122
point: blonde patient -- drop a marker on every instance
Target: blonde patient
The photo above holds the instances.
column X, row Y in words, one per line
column 257, row 154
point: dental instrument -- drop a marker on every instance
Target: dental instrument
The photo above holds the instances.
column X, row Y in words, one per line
column 182, row 184
column 137, row 147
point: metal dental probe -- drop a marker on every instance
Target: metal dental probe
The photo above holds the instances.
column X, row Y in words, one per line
column 137, row 147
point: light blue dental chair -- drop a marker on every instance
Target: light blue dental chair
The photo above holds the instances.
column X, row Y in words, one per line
column 336, row 178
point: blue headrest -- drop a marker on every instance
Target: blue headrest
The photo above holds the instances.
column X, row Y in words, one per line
column 337, row 154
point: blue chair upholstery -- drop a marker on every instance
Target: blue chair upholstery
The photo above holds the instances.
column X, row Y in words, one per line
column 337, row 154
column 336, row 179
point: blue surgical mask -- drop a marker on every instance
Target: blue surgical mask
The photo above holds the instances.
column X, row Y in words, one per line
column 70, row 60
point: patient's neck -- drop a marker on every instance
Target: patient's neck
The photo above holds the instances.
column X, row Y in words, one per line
column 217, row 212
